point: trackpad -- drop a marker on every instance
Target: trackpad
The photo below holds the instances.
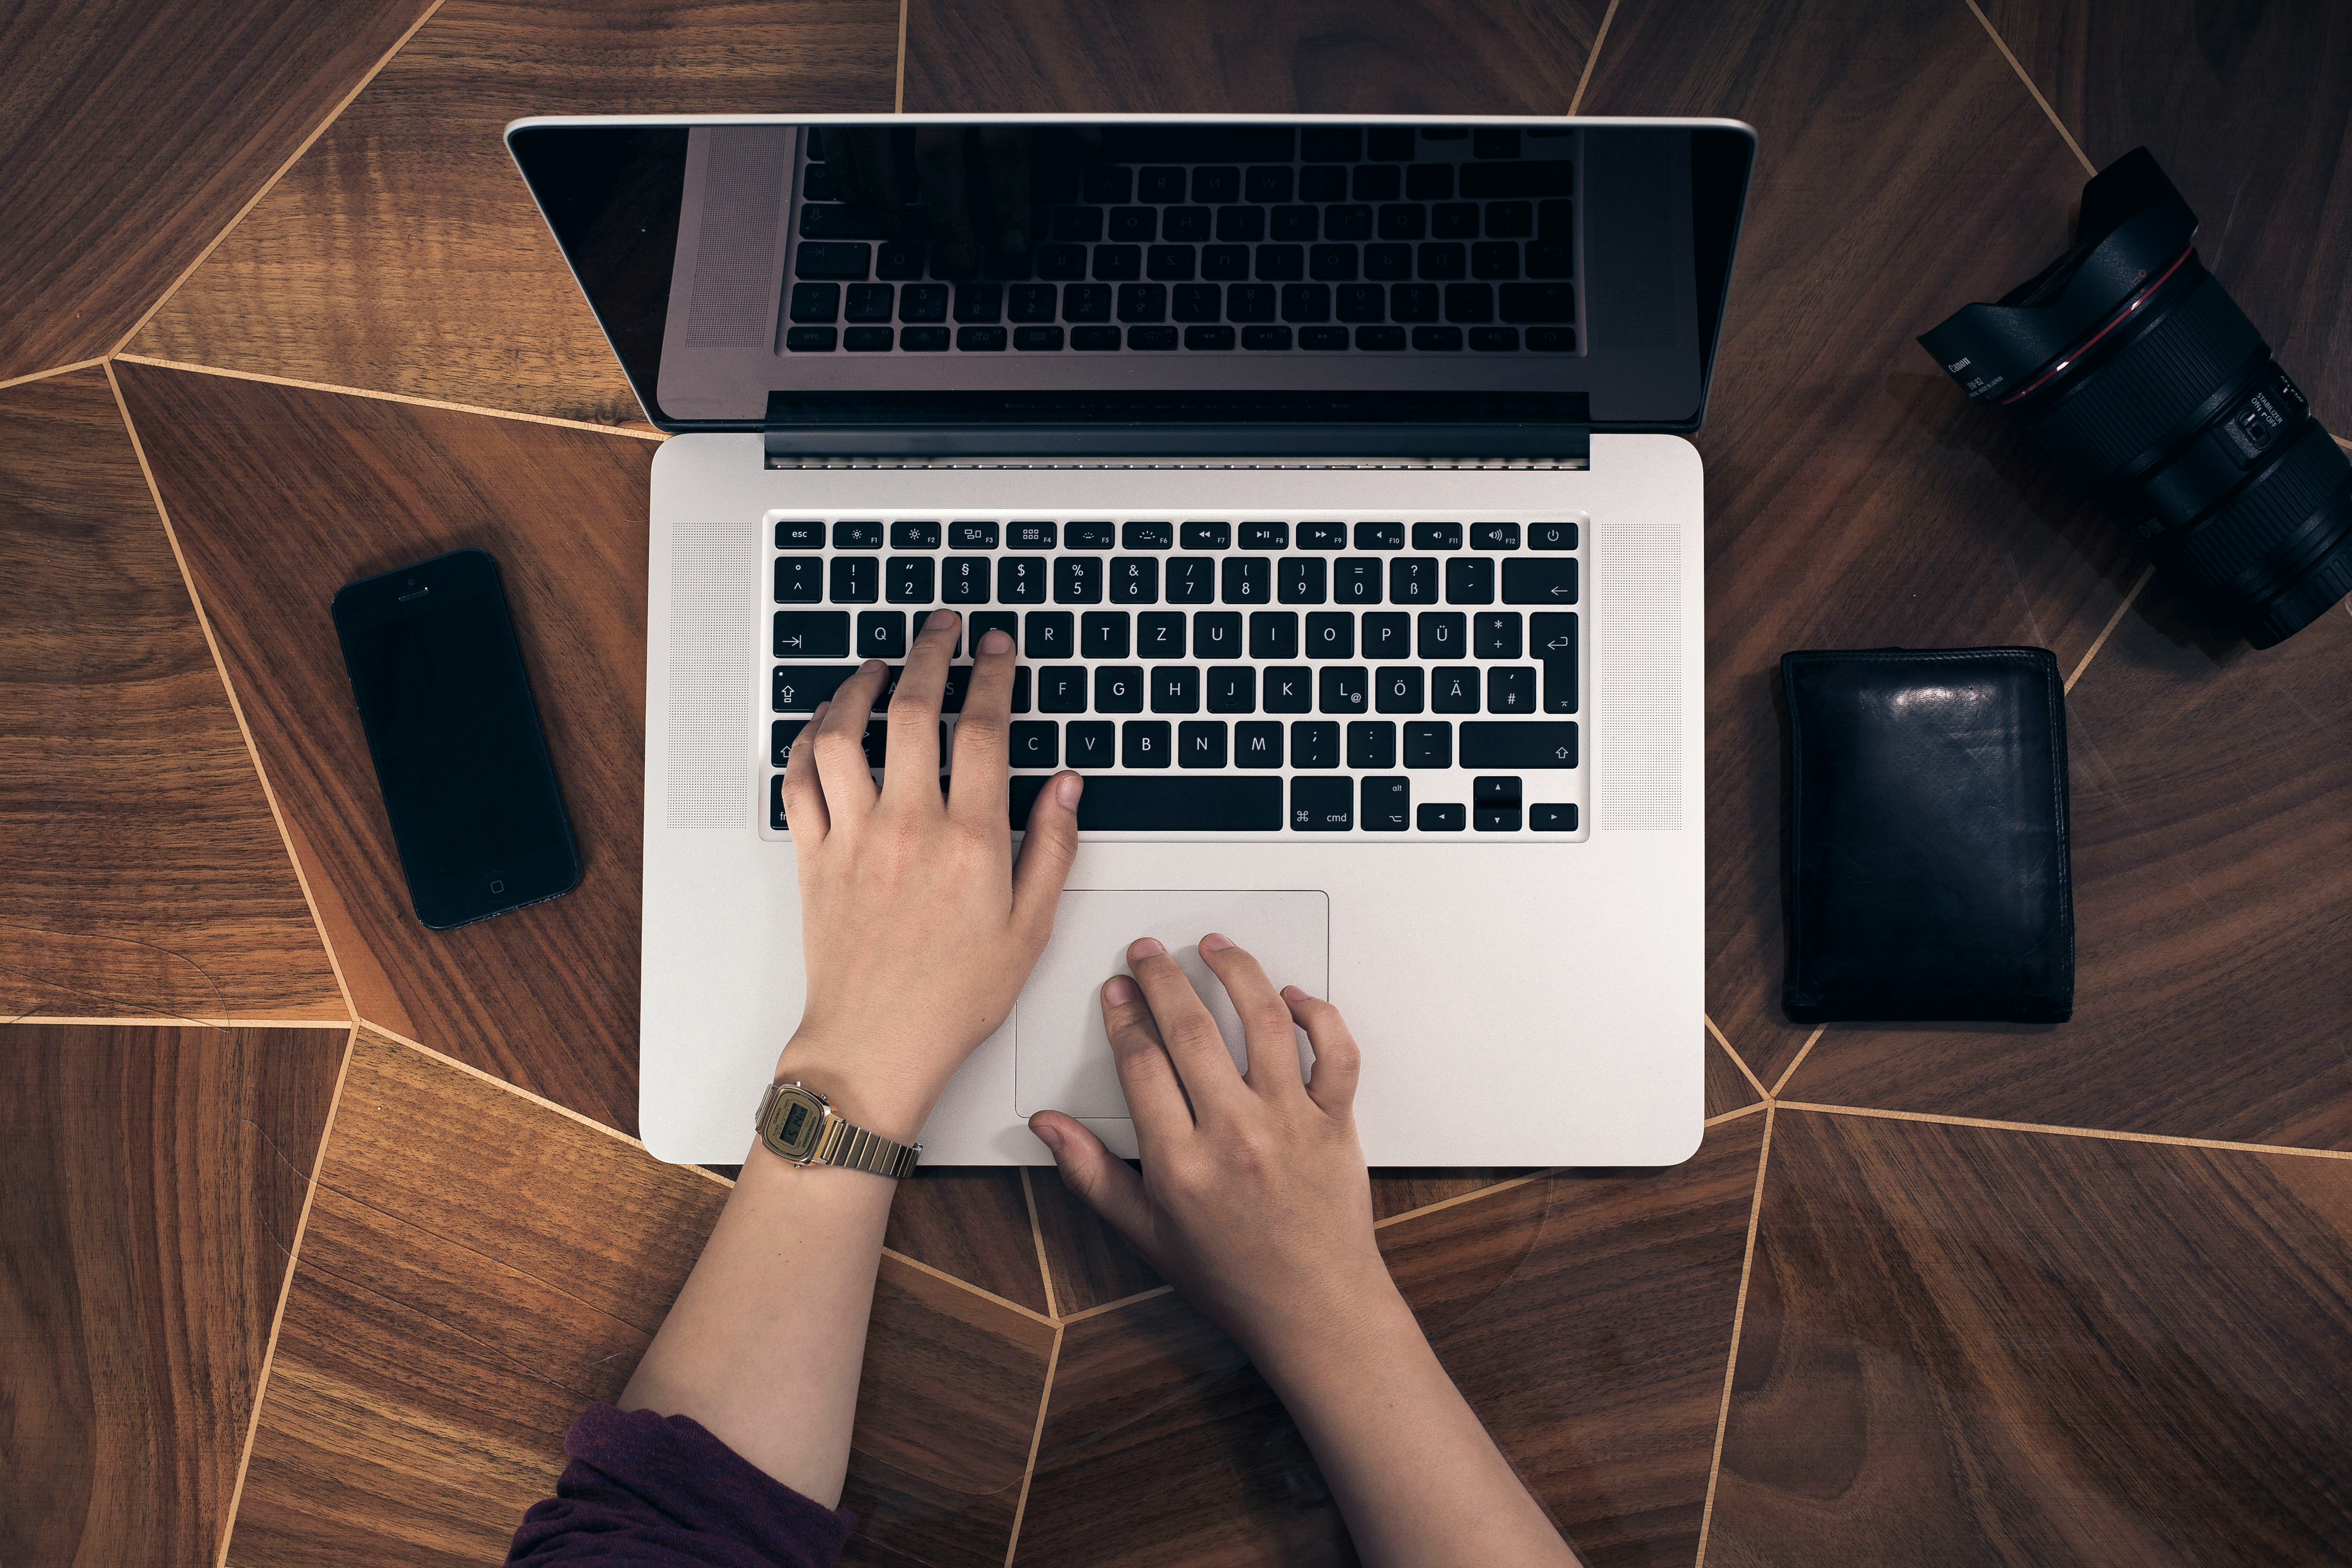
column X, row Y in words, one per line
column 1062, row 1058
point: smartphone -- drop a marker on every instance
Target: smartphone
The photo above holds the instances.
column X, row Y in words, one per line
column 455, row 739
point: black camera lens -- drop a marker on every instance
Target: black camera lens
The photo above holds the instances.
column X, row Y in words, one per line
column 2132, row 367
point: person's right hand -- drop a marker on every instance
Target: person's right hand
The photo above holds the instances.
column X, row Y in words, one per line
column 1253, row 1199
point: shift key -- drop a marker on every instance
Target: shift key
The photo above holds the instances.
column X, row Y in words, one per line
column 1537, row 581
column 1527, row 747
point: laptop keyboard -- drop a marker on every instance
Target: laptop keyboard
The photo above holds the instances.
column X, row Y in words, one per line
column 1402, row 676
column 1219, row 239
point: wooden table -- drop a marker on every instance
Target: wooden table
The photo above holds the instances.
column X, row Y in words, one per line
column 321, row 1227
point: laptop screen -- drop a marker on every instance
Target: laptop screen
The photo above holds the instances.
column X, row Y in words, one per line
column 937, row 276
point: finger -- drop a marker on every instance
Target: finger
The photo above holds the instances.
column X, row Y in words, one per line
column 1102, row 1181
column 912, row 761
column 1155, row 1100
column 947, row 196
column 804, row 816
column 840, row 745
column 1048, row 848
column 1191, row 1036
column 1005, row 163
column 976, row 779
column 1337, row 1059
column 1266, row 1017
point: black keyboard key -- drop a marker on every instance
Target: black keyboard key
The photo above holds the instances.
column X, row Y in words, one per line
column 1134, row 579
column 1160, row 186
column 1554, row 636
column 1527, row 747
column 1267, row 187
column 1356, row 580
column 1049, row 634
column 981, row 340
column 1385, row 804
column 1132, row 225
column 1289, row 689
column 1118, row 689
column 1092, row 744
column 1505, row 221
column 812, row 634
column 1175, row 688
column 1273, row 633
column 1146, row 536
column 914, row 536
column 1176, row 804
column 1428, row 181
column 1439, row 818
column 1145, row 743
column 1292, row 226
column 1103, row 633
column 1388, row 636
column 957, row 686
column 1021, row 688
column 1344, row 689
column 1193, row 580
column 1326, row 338
column 1380, row 340
column 1208, row 535
column 1300, row 579
column 816, row 301
column 1440, row 262
column 1549, row 259
column 1402, row 220
column 1495, row 260
column 909, row 580
column 1216, row 634
column 1388, row 263
column 1452, row 220
column 1257, row 744
column 1034, row 744
column 1037, row 340
column 1534, row 177
column 1494, row 634
column 800, row 580
column 1168, row 263
column 1142, row 302
column 1241, row 226
column 1208, row 339
column 1396, row 689
column 1330, row 634
column 1492, row 142
column 1537, row 302
column 844, row 261
column 1087, row 536
column 1362, row 302
column 1197, row 302
column 1530, row 582
column 1322, row 805
column 1248, row 580
column 800, row 533
column 1494, row 536
column 1079, row 580
column 1371, row 745
column 1510, row 688
column 1233, row 689
column 782, row 733
column 1087, row 302
column 1159, row 633
column 1350, row 221
column 1429, row 744
column 1551, row 536
column 1200, row 743
column 973, row 535
column 924, row 339
column 1030, row 535
column 1413, row 580
column 1030, row 302
column 1266, row 536
column 986, row 621
column 1314, row 744
column 1552, row 818
column 870, row 302
column 1062, row 263
column 1453, row 689
column 1332, row 264
column 856, row 580
column 1305, row 302
column 1080, row 226
column 1470, row 580
column 1437, row 536
column 1494, row 340
column 1469, row 302
column 1278, row 264
column 1061, row 689
column 1107, row 185
column 1322, row 536
column 1379, row 536
column 1266, row 338
column 1555, row 220
column 1094, row 338
column 799, row 688
column 1442, row 635
column 858, row 535
column 1117, row 263
column 1217, row 183
column 1020, row 581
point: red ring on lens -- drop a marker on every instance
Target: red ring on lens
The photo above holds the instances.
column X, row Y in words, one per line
column 2065, row 361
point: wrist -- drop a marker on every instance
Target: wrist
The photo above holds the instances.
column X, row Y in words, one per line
column 1332, row 1341
column 861, row 1086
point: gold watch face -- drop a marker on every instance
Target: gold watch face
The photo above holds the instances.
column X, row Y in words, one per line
column 795, row 1121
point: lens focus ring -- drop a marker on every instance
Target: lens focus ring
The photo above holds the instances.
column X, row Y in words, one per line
column 2222, row 549
column 2174, row 365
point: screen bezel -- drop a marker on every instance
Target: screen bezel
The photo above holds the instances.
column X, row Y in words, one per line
column 444, row 897
column 1723, row 156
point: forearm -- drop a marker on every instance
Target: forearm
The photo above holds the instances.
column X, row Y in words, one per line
column 1411, row 1467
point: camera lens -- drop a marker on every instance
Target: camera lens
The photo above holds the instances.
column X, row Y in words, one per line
column 2134, row 369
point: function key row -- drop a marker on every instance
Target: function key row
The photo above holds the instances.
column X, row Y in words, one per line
column 802, row 534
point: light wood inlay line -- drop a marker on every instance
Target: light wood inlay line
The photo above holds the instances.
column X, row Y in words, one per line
column 1736, row 1115
column 45, row 375
column 1737, row 1059
column 2006, row 53
column 1038, row 1238
column 898, row 106
column 271, row 183
column 1599, row 35
column 1113, row 1306
column 2219, row 1143
column 1469, row 1198
column 1802, row 1052
column 1738, row 1317
column 285, row 1289
column 229, row 687
column 153, row 1021
column 654, row 436
column 917, row 1263
column 1036, row 1439
column 2108, row 630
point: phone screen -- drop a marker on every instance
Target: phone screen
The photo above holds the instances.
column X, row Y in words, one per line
column 456, row 738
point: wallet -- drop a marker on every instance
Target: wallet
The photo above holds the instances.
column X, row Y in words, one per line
column 1927, row 867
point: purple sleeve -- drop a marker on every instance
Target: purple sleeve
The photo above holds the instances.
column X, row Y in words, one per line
column 659, row 1491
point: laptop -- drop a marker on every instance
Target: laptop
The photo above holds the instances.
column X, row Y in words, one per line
column 1330, row 475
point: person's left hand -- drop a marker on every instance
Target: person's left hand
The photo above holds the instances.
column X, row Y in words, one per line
column 917, row 928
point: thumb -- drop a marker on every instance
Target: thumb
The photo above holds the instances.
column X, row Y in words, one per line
column 1100, row 1178
column 1046, row 851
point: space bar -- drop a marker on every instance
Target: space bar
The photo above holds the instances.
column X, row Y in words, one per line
column 1135, row 802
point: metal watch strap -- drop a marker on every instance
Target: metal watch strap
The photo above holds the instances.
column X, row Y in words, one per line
column 784, row 1113
column 843, row 1145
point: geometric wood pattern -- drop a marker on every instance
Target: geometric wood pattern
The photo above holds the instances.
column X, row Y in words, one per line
column 141, row 872
column 149, row 1197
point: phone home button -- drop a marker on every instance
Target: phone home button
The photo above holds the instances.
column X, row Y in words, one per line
column 497, row 886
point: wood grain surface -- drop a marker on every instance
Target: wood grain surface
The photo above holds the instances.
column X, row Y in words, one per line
column 151, row 1190
column 1320, row 56
column 2212, row 862
column 1586, row 1319
column 971, row 1222
column 1855, row 498
column 2249, row 109
column 384, row 258
column 1967, row 1347
column 280, row 496
column 132, row 134
column 141, row 872
column 477, row 1269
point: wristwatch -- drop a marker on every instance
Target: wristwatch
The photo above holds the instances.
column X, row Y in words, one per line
column 797, row 1123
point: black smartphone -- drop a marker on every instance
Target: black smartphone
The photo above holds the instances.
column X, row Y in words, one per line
column 455, row 739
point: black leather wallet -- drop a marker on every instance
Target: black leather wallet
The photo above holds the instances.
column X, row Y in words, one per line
column 1928, row 875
